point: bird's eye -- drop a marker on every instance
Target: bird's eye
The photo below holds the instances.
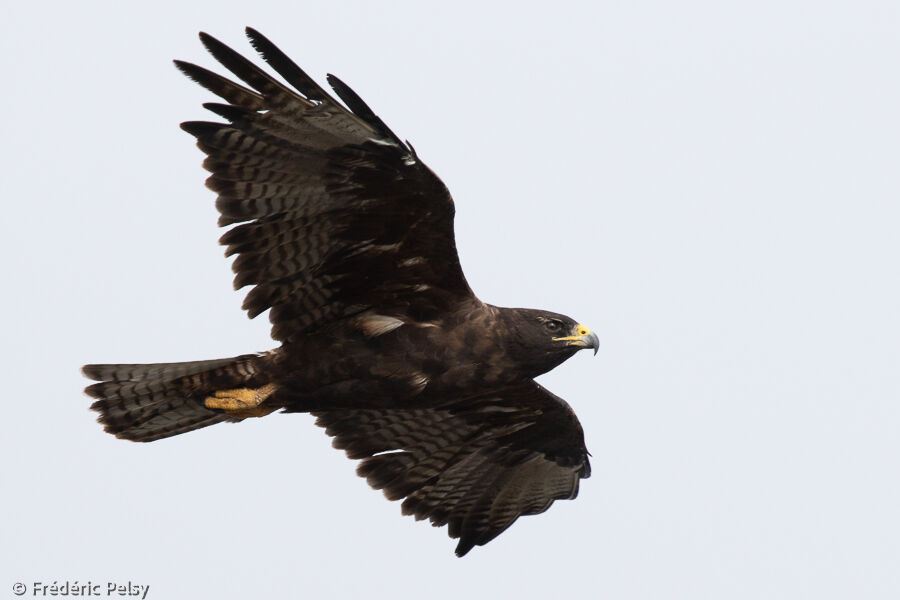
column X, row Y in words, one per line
column 552, row 326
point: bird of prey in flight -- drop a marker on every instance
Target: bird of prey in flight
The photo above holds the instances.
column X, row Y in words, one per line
column 346, row 238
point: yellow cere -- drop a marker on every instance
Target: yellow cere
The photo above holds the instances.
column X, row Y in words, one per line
column 582, row 331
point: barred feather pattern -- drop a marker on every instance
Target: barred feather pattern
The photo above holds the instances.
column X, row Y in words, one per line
column 147, row 402
column 473, row 466
column 346, row 238
column 317, row 193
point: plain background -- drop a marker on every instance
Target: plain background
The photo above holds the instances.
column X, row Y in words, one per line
column 712, row 186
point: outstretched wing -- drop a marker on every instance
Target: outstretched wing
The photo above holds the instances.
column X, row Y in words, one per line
column 475, row 465
column 336, row 215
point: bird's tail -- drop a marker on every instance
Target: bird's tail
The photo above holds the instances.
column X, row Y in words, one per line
column 148, row 402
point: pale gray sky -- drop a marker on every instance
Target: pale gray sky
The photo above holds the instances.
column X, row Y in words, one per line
column 713, row 187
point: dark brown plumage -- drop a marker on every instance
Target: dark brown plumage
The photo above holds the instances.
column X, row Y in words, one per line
column 347, row 238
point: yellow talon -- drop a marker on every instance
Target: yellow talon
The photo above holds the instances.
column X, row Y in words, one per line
column 242, row 403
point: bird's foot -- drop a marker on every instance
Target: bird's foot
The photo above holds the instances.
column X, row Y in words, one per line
column 243, row 403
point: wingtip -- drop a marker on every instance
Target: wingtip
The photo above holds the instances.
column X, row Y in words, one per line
column 463, row 548
column 260, row 43
column 253, row 36
column 210, row 43
column 183, row 66
column 200, row 129
column 190, row 127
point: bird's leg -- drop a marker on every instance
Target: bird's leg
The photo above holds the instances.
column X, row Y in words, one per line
column 242, row 403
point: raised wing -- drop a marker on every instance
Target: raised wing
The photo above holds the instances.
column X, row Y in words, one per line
column 475, row 465
column 337, row 215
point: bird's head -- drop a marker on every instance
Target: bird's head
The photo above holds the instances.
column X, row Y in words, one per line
column 545, row 339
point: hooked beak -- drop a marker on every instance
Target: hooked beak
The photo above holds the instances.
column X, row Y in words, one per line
column 581, row 337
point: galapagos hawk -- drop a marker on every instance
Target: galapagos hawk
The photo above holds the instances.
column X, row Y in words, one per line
column 346, row 238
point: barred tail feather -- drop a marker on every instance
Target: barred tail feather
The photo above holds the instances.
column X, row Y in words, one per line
column 147, row 402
